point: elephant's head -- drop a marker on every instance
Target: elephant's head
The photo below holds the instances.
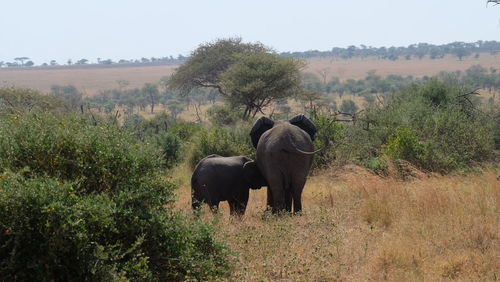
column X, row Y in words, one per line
column 263, row 124
column 252, row 175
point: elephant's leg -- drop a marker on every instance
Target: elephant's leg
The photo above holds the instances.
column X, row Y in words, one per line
column 270, row 202
column 196, row 200
column 279, row 201
column 236, row 208
column 297, row 188
column 195, row 204
column 278, row 194
column 214, row 207
column 288, row 200
column 238, row 204
column 297, row 201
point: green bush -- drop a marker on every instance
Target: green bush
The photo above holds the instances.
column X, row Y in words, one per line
column 96, row 158
column 429, row 125
column 223, row 115
column 20, row 100
column 172, row 137
column 336, row 133
column 377, row 165
column 494, row 113
column 134, row 122
column 51, row 233
column 348, row 106
column 404, row 144
column 144, row 128
column 224, row 141
column 86, row 202
column 185, row 130
column 170, row 145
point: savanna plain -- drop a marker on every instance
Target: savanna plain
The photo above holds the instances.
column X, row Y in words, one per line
column 355, row 225
column 92, row 80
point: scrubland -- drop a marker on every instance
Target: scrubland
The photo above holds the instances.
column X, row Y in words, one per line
column 100, row 189
column 357, row 226
column 94, row 80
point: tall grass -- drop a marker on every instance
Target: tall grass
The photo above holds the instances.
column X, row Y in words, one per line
column 357, row 226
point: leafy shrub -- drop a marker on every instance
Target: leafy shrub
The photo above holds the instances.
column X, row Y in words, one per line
column 96, row 158
column 376, row 165
column 57, row 224
column 50, row 233
column 222, row 141
column 348, row 106
column 185, row 130
column 494, row 113
column 170, row 145
column 429, row 125
column 404, row 144
column 144, row 128
column 134, row 122
column 336, row 133
column 172, row 137
column 19, row 100
column 223, row 115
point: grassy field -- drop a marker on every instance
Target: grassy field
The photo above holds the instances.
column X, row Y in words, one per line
column 357, row 68
column 88, row 80
column 93, row 80
column 358, row 227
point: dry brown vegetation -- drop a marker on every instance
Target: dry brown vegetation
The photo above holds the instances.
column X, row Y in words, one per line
column 93, row 80
column 357, row 68
column 88, row 80
column 357, row 226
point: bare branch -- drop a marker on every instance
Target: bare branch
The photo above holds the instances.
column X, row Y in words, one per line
column 115, row 120
column 473, row 92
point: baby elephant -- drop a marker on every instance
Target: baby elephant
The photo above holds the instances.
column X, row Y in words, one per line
column 217, row 179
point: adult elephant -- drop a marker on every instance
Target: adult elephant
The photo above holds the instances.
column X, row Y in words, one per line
column 284, row 157
column 217, row 179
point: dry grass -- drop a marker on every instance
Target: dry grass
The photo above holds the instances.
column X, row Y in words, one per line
column 357, row 68
column 88, row 80
column 357, row 226
column 92, row 80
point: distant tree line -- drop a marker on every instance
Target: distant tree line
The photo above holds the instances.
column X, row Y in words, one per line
column 421, row 50
column 26, row 62
column 475, row 76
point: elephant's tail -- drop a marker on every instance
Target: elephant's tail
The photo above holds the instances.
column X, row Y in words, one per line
column 294, row 148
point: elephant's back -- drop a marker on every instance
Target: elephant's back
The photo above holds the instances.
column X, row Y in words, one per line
column 282, row 137
column 217, row 169
column 275, row 151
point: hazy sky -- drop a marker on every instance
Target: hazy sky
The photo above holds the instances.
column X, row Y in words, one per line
column 122, row 29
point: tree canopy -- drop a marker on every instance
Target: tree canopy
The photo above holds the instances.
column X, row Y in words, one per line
column 207, row 62
column 256, row 80
column 245, row 74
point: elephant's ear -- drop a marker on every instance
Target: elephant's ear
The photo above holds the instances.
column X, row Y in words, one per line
column 305, row 124
column 262, row 125
column 252, row 175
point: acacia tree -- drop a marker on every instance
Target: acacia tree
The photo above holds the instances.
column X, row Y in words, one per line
column 244, row 73
column 152, row 94
column 256, row 80
column 21, row 59
column 309, row 96
column 207, row 62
